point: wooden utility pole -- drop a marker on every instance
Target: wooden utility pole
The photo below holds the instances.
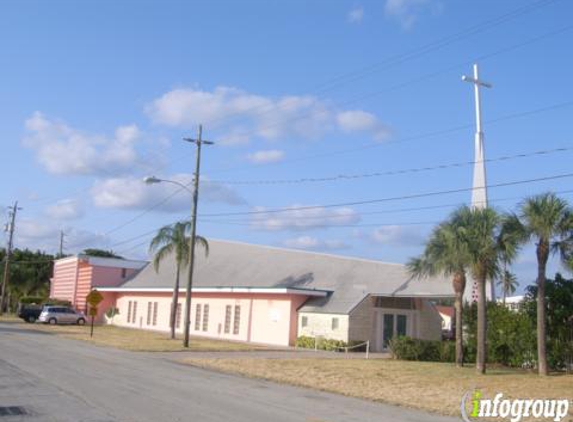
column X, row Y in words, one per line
column 61, row 244
column 199, row 141
column 10, row 229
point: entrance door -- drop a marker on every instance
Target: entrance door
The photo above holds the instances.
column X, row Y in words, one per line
column 388, row 326
column 387, row 330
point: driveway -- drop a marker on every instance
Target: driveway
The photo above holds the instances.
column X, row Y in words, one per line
column 55, row 379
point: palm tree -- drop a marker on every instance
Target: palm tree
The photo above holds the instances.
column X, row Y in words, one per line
column 173, row 239
column 445, row 253
column 508, row 283
column 488, row 241
column 548, row 220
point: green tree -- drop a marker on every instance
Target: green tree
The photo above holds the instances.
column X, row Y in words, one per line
column 101, row 253
column 173, row 240
column 446, row 253
column 30, row 273
column 508, row 283
column 488, row 240
column 548, row 221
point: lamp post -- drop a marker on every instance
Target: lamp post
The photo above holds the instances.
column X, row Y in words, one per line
column 195, row 199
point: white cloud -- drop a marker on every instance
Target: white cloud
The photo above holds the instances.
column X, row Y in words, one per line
column 64, row 150
column 402, row 236
column 305, row 219
column 407, row 12
column 243, row 116
column 45, row 236
column 133, row 193
column 362, row 121
column 356, row 15
column 313, row 243
column 66, row 209
column 266, row 157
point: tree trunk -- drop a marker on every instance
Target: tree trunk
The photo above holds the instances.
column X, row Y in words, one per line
column 542, row 256
column 481, row 326
column 174, row 301
column 459, row 287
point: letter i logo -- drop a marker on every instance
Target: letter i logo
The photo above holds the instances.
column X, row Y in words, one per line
column 475, row 402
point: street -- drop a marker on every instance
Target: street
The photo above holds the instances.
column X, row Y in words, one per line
column 53, row 379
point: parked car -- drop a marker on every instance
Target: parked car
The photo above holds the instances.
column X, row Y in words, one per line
column 29, row 312
column 61, row 315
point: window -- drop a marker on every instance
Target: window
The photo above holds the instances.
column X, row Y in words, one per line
column 394, row 302
column 149, row 305
column 178, row 316
column 197, row 317
column 123, row 272
column 237, row 319
column 228, row 310
column 334, row 324
column 304, row 321
column 154, row 320
column 134, row 315
column 205, row 317
column 129, row 312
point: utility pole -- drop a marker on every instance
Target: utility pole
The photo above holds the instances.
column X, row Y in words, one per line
column 61, row 244
column 10, row 229
column 195, row 199
column 479, row 187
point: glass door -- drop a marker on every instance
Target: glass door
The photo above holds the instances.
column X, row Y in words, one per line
column 387, row 329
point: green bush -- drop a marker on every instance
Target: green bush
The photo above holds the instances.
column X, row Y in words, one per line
column 58, row 302
column 510, row 338
column 32, row 299
column 408, row 348
column 307, row 342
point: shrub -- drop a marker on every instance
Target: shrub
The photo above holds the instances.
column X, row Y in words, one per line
column 407, row 348
column 32, row 299
column 307, row 342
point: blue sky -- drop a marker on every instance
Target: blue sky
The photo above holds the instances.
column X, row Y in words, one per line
column 98, row 94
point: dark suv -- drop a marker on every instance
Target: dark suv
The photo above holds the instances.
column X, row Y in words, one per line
column 29, row 312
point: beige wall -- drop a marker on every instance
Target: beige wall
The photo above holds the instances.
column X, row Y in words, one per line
column 361, row 319
column 320, row 325
column 430, row 322
column 365, row 323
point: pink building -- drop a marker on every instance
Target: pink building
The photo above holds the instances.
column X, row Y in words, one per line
column 269, row 295
column 75, row 276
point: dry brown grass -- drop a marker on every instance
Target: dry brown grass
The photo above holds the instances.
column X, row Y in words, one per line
column 434, row 387
column 138, row 340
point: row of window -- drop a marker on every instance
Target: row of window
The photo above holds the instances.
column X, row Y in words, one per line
column 201, row 316
column 152, row 310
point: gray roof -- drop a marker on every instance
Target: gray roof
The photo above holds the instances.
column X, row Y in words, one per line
column 234, row 264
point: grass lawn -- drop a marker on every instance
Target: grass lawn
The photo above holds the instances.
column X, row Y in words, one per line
column 136, row 340
column 429, row 386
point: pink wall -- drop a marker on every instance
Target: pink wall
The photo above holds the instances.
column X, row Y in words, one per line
column 63, row 282
column 263, row 318
column 74, row 278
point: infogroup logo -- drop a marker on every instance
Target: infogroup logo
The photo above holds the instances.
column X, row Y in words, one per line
column 513, row 409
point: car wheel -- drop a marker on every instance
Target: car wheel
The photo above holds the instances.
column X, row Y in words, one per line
column 81, row 321
column 31, row 319
column 52, row 321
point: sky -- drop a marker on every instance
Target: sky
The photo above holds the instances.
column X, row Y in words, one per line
column 348, row 117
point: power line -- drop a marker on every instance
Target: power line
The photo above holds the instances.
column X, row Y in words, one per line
column 381, row 224
column 399, row 58
column 412, row 138
column 341, row 177
column 389, row 199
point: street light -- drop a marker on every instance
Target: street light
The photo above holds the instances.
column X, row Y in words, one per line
column 194, row 200
column 152, row 180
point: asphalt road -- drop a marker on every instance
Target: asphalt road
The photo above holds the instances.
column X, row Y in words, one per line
column 54, row 379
